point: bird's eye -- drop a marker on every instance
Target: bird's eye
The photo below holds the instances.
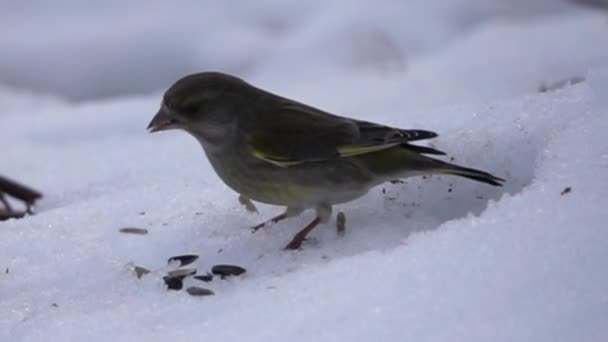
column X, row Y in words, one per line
column 189, row 108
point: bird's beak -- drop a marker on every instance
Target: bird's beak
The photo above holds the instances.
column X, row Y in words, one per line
column 162, row 122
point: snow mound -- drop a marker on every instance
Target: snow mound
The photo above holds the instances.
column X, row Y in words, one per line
column 432, row 259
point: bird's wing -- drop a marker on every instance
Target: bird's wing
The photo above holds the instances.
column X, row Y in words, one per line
column 304, row 134
column 374, row 137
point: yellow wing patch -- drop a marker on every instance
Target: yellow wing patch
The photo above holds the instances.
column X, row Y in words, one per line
column 355, row 150
column 273, row 160
column 343, row 152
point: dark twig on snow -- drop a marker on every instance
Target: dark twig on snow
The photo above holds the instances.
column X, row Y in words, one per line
column 19, row 191
column 9, row 214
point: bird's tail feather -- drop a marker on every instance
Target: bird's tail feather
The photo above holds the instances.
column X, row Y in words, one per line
column 405, row 162
column 480, row 176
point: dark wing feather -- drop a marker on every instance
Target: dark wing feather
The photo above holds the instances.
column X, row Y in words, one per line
column 381, row 132
column 375, row 134
column 292, row 133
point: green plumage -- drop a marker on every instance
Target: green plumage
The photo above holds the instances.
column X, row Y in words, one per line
column 278, row 151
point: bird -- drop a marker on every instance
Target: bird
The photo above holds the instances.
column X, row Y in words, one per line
column 274, row 150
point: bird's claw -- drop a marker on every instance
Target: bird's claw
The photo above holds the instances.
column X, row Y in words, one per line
column 248, row 204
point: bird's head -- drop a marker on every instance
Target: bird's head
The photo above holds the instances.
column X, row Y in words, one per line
column 203, row 104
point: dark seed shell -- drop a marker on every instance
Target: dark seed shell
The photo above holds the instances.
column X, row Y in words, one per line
column 181, row 273
column 204, row 277
column 199, row 291
column 184, row 260
column 140, row 271
column 173, row 283
column 133, row 230
column 227, row 270
column 341, row 223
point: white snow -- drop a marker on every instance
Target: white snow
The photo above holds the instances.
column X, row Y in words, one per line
column 79, row 82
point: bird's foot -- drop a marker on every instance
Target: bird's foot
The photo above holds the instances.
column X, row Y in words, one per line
column 248, row 204
column 297, row 240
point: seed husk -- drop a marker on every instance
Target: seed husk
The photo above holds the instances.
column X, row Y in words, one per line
column 133, row 230
column 140, row 271
column 199, row 291
column 227, row 270
column 173, row 283
column 204, row 277
column 182, row 273
column 183, row 260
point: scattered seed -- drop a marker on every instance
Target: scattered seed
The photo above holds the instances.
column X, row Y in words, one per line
column 220, row 250
column 6, row 271
column 55, row 305
column 140, row 271
column 341, row 223
column 546, row 87
column 142, row 213
column 181, row 273
column 173, row 283
column 204, row 277
column 383, row 190
column 199, row 291
column 227, row 270
column 566, row 190
column 183, row 260
column 133, row 230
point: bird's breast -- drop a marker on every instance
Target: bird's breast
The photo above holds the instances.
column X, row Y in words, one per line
column 305, row 185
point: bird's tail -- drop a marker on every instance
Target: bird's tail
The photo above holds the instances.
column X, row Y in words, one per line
column 480, row 176
column 401, row 162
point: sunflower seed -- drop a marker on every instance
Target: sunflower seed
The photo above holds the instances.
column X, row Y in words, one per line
column 341, row 223
column 204, row 277
column 199, row 291
column 181, row 273
column 173, row 283
column 227, row 270
column 140, row 271
column 133, row 230
column 184, row 260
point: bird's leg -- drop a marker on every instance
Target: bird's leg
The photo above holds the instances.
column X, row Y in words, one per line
column 323, row 215
column 245, row 201
column 290, row 212
column 297, row 240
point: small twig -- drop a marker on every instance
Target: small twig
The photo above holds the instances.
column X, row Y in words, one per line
column 9, row 214
column 546, row 87
column 20, row 191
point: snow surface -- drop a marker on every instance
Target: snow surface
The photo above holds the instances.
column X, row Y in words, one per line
column 79, row 83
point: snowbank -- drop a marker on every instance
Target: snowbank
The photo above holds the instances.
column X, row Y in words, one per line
column 430, row 260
